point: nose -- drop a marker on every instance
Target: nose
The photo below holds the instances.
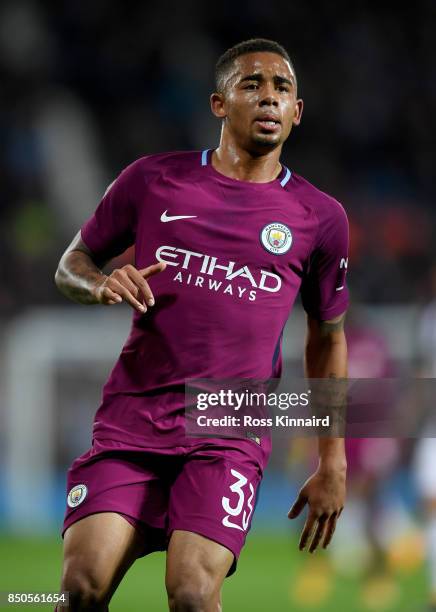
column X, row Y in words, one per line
column 269, row 96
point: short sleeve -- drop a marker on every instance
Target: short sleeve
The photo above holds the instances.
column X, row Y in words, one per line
column 324, row 292
column 112, row 227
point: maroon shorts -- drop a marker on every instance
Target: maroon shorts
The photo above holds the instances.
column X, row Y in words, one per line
column 207, row 489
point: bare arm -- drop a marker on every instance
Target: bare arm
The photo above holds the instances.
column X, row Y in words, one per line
column 326, row 357
column 80, row 279
column 324, row 491
column 77, row 274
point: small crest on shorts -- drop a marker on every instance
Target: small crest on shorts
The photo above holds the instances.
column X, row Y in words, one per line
column 77, row 495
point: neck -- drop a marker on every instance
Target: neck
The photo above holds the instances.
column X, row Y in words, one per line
column 239, row 164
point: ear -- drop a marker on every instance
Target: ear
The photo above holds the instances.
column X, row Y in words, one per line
column 217, row 105
column 298, row 112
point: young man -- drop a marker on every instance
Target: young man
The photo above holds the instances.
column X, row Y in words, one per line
column 236, row 235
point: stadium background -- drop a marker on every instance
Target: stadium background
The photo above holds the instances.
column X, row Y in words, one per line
column 88, row 87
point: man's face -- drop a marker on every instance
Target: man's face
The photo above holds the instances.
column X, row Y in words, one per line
column 259, row 103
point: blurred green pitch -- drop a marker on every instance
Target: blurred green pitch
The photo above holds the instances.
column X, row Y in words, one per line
column 272, row 577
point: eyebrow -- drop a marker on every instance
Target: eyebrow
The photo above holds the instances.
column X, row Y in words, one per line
column 257, row 76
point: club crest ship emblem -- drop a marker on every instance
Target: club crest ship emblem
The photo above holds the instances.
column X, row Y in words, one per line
column 276, row 238
column 77, row 495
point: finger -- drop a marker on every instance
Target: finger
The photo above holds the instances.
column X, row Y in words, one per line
column 118, row 288
column 330, row 529
column 297, row 507
column 318, row 534
column 152, row 270
column 307, row 531
column 122, row 277
column 109, row 297
column 140, row 282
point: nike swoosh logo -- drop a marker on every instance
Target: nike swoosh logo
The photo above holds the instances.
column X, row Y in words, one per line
column 165, row 218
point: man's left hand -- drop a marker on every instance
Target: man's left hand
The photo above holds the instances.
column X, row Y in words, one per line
column 324, row 492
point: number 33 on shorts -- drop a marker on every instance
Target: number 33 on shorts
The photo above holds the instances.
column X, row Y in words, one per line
column 238, row 506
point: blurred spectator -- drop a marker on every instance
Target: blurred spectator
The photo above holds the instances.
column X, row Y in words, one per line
column 425, row 455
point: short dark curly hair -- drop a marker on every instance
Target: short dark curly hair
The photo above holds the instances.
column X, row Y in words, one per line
column 253, row 45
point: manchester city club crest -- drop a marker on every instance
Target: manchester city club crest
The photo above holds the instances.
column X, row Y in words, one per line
column 77, row 495
column 276, row 238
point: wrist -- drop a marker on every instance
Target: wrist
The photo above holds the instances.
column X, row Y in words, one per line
column 332, row 457
column 336, row 464
column 96, row 284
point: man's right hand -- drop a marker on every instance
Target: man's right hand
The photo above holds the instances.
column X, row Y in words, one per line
column 129, row 285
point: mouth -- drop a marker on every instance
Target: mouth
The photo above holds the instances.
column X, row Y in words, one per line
column 268, row 123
